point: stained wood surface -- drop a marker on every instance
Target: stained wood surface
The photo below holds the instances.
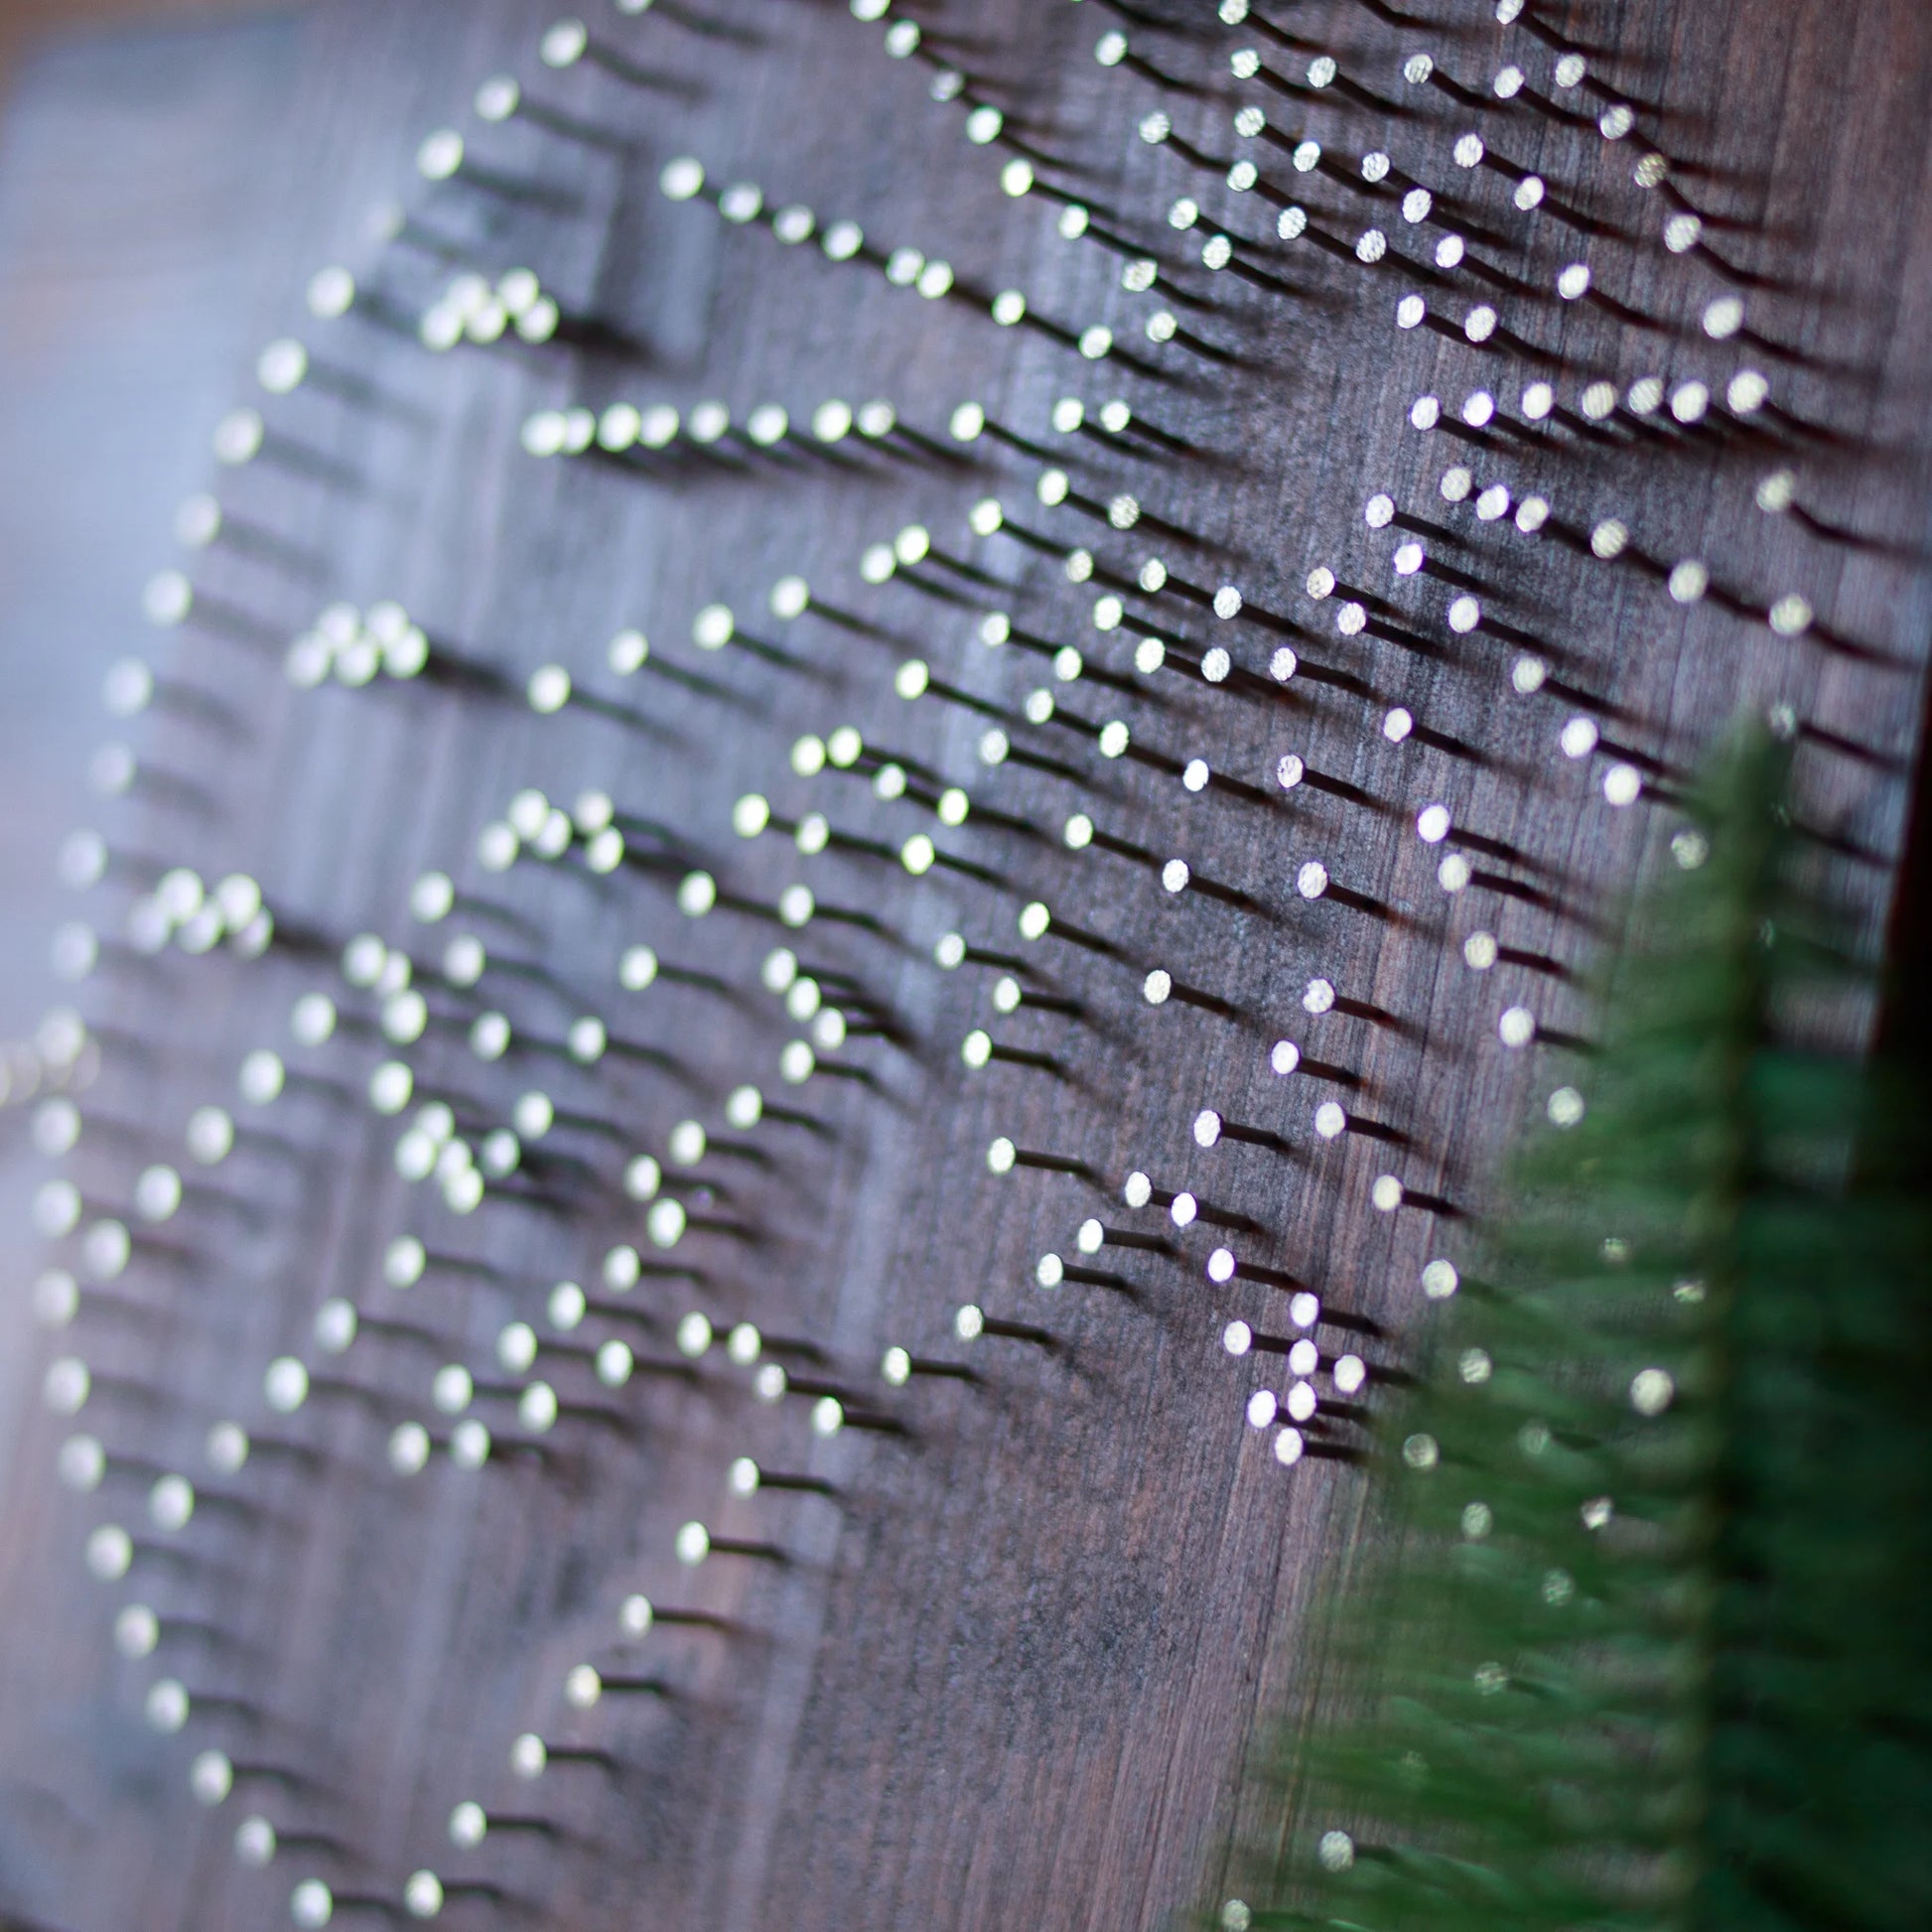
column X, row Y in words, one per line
column 1014, row 1673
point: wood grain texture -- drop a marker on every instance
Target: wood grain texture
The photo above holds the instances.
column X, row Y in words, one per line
column 1014, row 1672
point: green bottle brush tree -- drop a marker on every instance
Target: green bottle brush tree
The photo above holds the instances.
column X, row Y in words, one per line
column 1644, row 1639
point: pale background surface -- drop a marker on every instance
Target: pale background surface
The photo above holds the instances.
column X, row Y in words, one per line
column 136, row 189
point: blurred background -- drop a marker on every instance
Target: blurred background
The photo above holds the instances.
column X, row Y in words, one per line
column 142, row 144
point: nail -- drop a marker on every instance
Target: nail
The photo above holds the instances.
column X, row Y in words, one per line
column 878, row 422
column 550, row 688
column 1009, row 309
column 746, row 1107
column 638, row 1616
column 202, row 522
column 952, row 951
column 970, row 421
column 1480, row 952
column 897, row 1367
column 695, row 1544
column 1311, row 881
column 1325, row 74
column 1412, row 558
column 1317, row 1413
column 1420, row 70
column 792, row 596
column 115, row 771
column 1241, row 13
column 971, row 1322
column 746, row 1478
column 1239, row 1340
column 1292, row 1446
column 1531, row 195
column 1777, row 494
column 1224, row 1266
column 1436, row 825
column 424, row 1893
column 231, row 1447
column 531, row 1756
column 1400, row 724
column 1519, row 12
column 500, row 98
column 1009, row 996
column 1162, row 325
column 1455, row 874
column 1518, row 1027
column 569, row 42
column 1141, row 273
column 1320, row 996
column 1452, row 254
column 1002, row 1157
column 1229, row 603
column 139, row 1632
column 1187, row 1208
column 333, row 292
column 1389, row 1193
column 1198, row 775
column 1581, row 738
column 1094, row 1235
column 1211, row 1128
column 586, row 1687
column 978, row 1048
column 1081, row 832
column 539, row 1409
column 1471, row 150
column 1291, row 771
column 1051, row 1270
column 988, row 517
column 1036, row 921
column 1118, row 419
column 1156, row 130
column 1114, row 51
column 914, row 680
column 1511, row 84
column 242, row 438
column 1160, row 986
column 170, row 1705
column 1332, row 1121
column 830, row 1416
column 1218, row 257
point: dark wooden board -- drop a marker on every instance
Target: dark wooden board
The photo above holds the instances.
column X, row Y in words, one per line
column 1014, row 1674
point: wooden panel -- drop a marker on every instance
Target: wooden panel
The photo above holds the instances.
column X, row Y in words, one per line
column 1012, row 1671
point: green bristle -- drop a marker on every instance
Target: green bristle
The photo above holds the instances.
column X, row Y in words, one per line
column 1618, row 1665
